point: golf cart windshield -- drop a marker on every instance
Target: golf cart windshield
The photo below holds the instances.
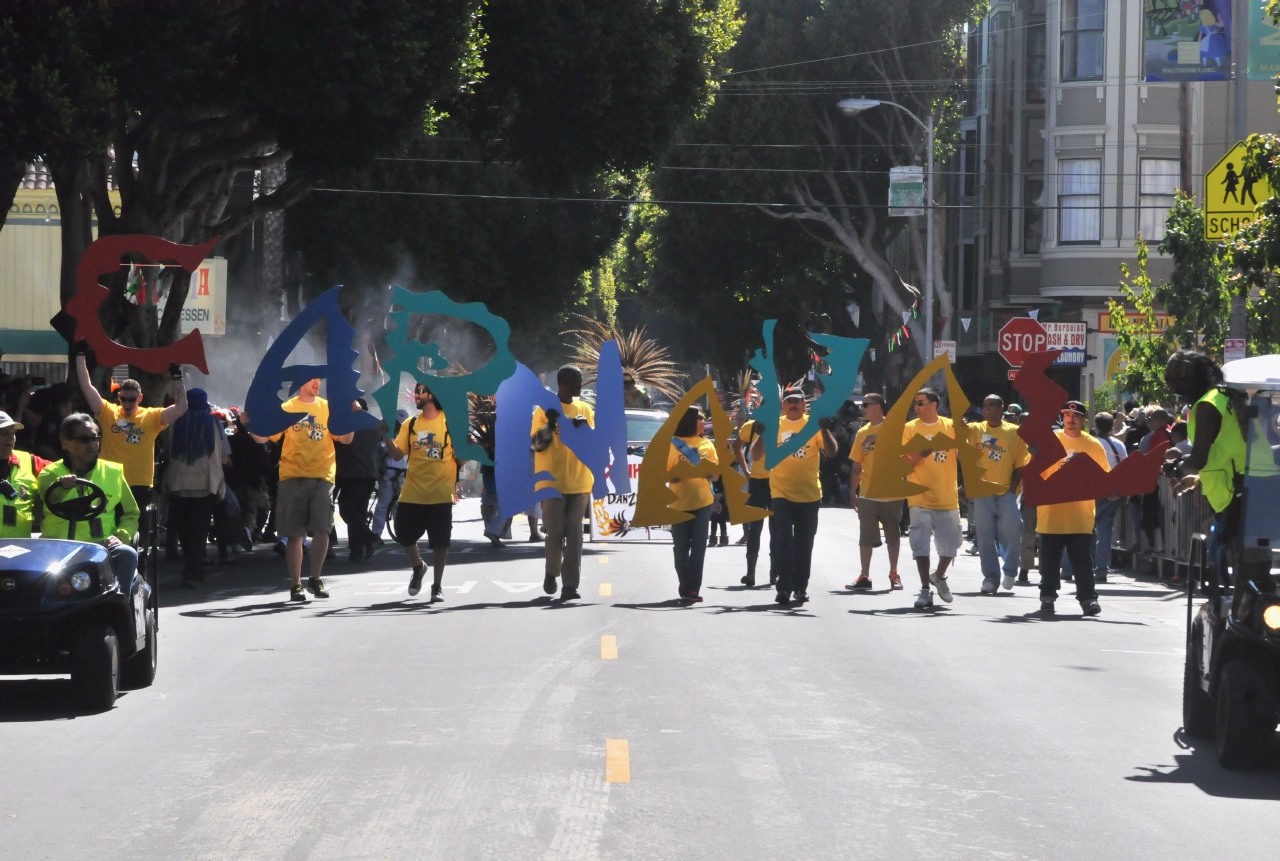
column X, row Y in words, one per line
column 1262, row 471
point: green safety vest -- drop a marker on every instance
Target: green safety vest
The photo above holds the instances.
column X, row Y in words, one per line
column 15, row 515
column 1226, row 455
column 120, row 517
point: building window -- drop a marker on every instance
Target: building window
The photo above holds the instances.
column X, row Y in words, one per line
column 1083, row 39
column 1157, row 187
column 1032, row 214
column 1079, row 201
column 1035, row 64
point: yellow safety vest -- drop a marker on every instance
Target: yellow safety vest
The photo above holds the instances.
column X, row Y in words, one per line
column 120, row 517
column 1226, row 455
column 15, row 514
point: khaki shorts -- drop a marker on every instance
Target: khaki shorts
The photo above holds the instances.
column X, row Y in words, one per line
column 874, row 513
column 303, row 506
column 942, row 526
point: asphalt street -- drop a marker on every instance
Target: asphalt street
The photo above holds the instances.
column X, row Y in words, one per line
column 372, row 725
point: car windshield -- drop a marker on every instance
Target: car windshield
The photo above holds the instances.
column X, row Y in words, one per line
column 641, row 429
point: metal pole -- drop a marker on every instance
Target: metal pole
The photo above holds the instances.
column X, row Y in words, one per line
column 928, row 240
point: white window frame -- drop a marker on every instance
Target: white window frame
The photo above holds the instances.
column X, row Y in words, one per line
column 1157, row 191
column 1094, row 30
column 1080, row 201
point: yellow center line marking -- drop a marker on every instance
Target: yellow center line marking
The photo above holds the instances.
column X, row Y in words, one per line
column 606, row 590
column 617, row 761
column 608, row 647
column 604, row 560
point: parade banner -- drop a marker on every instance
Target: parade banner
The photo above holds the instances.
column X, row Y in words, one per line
column 1264, row 43
column 1187, row 41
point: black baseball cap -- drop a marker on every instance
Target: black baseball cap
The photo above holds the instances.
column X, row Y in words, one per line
column 1075, row 407
column 792, row 392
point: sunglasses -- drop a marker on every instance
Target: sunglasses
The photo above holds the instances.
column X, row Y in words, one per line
column 86, row 439
column 126, row 400
column 923, row 403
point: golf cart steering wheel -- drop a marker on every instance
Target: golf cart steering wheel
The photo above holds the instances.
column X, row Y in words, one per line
column 79, row 508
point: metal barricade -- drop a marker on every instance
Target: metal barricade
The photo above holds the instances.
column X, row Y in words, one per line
column 1181, row 516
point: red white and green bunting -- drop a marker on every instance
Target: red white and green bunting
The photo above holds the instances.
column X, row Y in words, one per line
column 904, row 334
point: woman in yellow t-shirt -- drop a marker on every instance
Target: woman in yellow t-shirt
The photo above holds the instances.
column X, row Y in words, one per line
column 689, row 539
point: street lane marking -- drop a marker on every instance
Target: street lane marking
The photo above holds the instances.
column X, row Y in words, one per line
column 608, row 647
column 516, row 587
column 617, row 761
column 464, row 588
column 397, row 587
column 606, row 590
column 603, row 559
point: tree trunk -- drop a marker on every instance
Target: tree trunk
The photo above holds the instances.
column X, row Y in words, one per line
column 11, row 173
column 71, row 182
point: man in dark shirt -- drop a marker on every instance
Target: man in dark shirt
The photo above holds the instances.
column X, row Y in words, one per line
column 359, row 468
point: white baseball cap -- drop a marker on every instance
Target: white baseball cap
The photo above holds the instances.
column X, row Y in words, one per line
column 7, row 422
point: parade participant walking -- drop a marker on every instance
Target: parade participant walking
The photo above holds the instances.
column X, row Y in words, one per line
column 359, row 466
column 18, row 482
column 116, row 526
column 936, row 512
column 997, row 521
column 1069, row 525
column 796, row 493
column 758, row 495
column 130, row 429
column 426, row 501
column 304, row 502
column 694, row 495
column 194, row 480
column 562, row 516
column 873, row 514
column 1104, row 519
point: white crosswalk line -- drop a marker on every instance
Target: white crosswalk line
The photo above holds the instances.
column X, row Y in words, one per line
column 515, row 587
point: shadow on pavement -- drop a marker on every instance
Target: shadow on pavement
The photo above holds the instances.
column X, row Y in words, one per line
column 419, row 607
column 1037, row 616
column 935, row 610
column 794, row 610
column 246, row 611
column 23, row 700
column 1199, row 767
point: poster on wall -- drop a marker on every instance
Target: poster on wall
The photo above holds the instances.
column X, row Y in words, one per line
column 1187, row 41
column 1264, row 43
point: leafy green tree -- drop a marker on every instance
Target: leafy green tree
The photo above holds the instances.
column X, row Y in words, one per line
column 1197, row 294
column 1141, row 339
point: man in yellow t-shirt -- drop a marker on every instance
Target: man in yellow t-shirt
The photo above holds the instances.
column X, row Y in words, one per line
column 562, row 516
column 1069, row 525
column 873, row 513
column 796, row 493
column 129, row 430
column 426, row 501
column 996, row 519
column 757, row 495
column 304, row 497
column 936, row 512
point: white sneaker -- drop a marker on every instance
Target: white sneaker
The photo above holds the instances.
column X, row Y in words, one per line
column 1007, row 582
column 925, row 600
column 940, row 583
column 988, row 587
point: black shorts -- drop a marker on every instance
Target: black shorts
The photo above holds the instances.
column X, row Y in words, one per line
column 413, row 519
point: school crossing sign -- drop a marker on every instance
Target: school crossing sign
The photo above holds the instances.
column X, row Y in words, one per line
column 1231, row 194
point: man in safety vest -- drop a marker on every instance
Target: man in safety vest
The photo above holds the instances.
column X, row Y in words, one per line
column 18, row 471
column 115, row 527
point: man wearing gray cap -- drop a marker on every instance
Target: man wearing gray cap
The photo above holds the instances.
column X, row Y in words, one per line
column 18, row 471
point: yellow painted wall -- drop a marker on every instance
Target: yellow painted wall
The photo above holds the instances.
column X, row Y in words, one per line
column 30, row 260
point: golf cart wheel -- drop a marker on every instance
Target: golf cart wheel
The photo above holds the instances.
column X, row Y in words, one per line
column 95, row 667
column 1246, row 713
column 1197, row 706
column 140, row 670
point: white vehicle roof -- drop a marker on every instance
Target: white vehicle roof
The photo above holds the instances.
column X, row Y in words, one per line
column 1256, row 372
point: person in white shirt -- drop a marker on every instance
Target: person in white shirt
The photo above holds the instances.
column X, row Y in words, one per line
column 1105, row 509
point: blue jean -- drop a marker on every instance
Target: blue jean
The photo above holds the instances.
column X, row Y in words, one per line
column 1104, row 524
column 689, row 541
column 124, row 562
column 998, row 525
column 791, row 532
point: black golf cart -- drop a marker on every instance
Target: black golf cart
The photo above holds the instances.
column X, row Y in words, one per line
column 1231, row 681
column 63, row 610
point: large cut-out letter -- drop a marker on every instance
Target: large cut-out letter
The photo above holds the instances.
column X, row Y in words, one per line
column 263, row 401
column 102, row 257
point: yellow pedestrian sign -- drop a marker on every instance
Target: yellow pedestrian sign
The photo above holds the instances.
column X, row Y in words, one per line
column 1231, row 194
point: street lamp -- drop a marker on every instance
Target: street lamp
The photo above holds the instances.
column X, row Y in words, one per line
column 853, row 107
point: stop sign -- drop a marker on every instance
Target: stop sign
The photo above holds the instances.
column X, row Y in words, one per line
column 1019, row 337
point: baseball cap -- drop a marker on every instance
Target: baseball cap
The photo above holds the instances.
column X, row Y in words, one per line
column 1075, row 407
column 792, row 392
column 1014, row 410
column 6, row 422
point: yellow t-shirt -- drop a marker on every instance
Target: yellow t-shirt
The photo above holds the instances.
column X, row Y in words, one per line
column 1002, row 450
column 308, row 447
column 433, row 470
column 936, row 471
column 692, row 493
column 796, row 477
column 571, row 475
column 131, row 442
column 747, row 435
column 1071, row 518
column 864, row 452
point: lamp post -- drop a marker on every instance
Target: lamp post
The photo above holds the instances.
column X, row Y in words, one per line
column 852, row 107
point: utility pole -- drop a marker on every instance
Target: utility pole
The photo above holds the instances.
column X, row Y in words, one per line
column 1237, row 326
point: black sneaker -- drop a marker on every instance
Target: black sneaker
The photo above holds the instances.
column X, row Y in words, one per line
column 860, row 583
column 297, row 594
column 569, row 595
column 1046, row 607
column 415, row 582
column 316, row 587
column 748, row 581
column 782, row 598
column 694, row 598
column 357, row 553
column 800, row 597
column 1091, row 609
column 1022, row 577
column 437, row 594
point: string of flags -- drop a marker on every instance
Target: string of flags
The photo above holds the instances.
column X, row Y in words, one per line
column 137, row 290
column 904, row 334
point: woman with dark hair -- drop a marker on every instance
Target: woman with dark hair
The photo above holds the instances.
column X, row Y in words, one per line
column 194, row 482
column 689, row 539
